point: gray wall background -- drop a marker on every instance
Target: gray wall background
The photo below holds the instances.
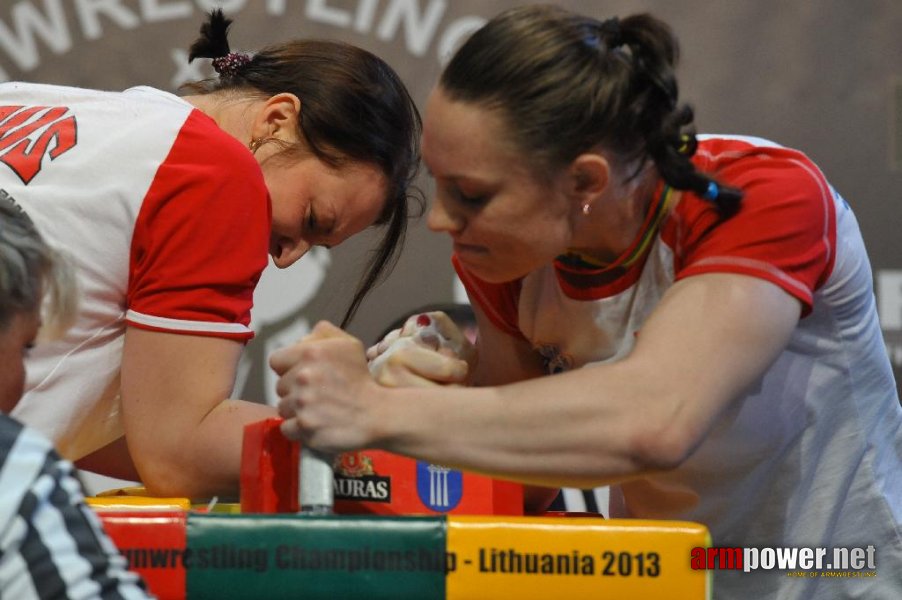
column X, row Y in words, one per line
column 823, row 76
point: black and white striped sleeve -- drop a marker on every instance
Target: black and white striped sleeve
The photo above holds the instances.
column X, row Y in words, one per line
column 593, row 500
column 51, row 544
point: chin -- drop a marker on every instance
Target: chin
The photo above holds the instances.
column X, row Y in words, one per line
column 487, row 266
column 493, row 273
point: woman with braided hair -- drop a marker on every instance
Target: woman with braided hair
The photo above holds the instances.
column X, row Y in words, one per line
column 168, row 206
column 704, row 303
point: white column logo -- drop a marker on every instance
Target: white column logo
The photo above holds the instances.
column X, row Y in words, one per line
column 438, row 486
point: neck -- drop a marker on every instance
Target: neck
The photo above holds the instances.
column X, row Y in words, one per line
column 231, row 116
column 617, row 218
column 205, row 103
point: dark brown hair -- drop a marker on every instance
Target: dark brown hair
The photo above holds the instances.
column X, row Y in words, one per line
column 565, row 83
column 355, row 108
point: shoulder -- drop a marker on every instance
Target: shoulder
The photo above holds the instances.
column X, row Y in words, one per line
column 204, row 150
column 14, row 432
column 207, row 168
column 784, row 230
column 748, row 162
column 24, row 455
column 52, row 538
column 774, row 179
column 206, row 196
column 9, row 433
column 199, row 142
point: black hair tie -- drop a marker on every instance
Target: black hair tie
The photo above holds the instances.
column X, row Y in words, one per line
column 610, row 33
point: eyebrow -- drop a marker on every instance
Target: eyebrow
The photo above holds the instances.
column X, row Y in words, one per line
column 457, row 179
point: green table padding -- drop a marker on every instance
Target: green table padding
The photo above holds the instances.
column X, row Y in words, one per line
column 311, row 557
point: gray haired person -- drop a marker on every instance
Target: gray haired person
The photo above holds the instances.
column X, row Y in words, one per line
column 51, row 543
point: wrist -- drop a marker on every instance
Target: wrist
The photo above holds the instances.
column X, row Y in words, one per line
column 396, row 419
column 383, row 417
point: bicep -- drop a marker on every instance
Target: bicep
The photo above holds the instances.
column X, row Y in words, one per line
column 502, row 358
column 710, row 338
column 170, row 382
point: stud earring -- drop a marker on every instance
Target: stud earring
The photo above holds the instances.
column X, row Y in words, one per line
column 587, row 208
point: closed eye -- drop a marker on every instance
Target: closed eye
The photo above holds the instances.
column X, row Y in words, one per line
column 477, row 200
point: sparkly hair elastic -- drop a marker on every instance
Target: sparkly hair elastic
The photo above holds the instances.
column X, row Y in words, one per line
column 231, row 63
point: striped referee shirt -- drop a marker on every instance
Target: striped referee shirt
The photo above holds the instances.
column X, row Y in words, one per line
column 51, row 543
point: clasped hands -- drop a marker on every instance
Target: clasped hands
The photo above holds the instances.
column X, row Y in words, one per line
column 331, row 389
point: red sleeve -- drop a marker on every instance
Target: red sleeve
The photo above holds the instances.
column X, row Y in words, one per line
column 784, row 232
column 498, row 301
column 201, row 238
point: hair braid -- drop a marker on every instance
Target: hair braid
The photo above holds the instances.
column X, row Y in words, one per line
column 566, row 83
column 666, row 124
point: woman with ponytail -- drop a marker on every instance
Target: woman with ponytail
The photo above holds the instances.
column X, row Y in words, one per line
column 169, row 207
column 704, row 303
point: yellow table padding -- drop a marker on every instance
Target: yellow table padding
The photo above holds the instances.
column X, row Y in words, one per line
column 137, row 503
column 547, row 557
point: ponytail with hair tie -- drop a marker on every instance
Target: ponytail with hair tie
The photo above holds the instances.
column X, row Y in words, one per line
column 611, row 33
column 230, row 64
column 214, row 43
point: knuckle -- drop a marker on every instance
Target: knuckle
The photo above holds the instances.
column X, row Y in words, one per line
column 299, row 376
column 396, row 359
column 387, row 378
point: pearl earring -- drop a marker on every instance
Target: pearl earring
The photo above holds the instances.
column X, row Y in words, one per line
column 587, row 208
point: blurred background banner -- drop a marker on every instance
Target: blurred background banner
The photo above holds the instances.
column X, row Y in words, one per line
column 824, row 77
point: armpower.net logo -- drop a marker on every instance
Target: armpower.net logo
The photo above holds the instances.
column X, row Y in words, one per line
column 798, row 562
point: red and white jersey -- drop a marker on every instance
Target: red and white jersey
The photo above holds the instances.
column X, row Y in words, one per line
column 165, row 217
column 812, row 456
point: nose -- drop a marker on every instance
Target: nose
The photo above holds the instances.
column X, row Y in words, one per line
column 441, row 219
column 288, row 251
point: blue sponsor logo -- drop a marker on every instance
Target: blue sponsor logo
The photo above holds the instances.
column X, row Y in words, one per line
column 439, row 488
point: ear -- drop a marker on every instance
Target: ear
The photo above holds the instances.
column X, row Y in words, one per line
column 278, row 118
column 589, row 174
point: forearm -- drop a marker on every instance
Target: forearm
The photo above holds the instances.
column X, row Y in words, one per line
column 184, row 435
column 599, row 424
column 564, row 430
column 208, row 460
column 595, row 425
